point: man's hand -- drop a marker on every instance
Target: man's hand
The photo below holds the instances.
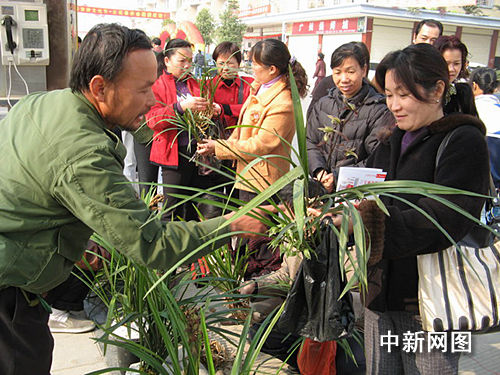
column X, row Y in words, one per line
column 247, row 224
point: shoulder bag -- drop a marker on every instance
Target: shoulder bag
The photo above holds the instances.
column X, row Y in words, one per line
column 459, row 287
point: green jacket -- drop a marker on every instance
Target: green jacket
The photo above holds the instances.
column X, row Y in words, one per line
column 60, row 180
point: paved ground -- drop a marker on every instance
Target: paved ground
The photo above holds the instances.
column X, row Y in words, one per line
column 77, row 354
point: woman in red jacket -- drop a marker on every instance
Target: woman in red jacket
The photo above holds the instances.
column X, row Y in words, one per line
column 232, row 90
column 175, row 92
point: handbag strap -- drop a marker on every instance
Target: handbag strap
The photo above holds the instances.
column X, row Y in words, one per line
column 491, row 191
column 442, row 146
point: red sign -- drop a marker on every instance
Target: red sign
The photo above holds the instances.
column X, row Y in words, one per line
column 342, row 25
column 123, row 12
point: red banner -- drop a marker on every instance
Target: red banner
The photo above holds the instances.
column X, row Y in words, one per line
column 342, row 25
column 124, row 12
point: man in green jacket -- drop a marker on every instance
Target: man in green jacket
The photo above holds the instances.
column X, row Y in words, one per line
column 61, row 179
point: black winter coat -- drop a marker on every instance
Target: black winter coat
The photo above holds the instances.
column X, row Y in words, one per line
column 464, row 164
column 359, row 129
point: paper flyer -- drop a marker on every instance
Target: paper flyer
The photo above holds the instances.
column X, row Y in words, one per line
column 352, row 176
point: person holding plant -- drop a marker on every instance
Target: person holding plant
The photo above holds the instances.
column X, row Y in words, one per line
column 416, row 81
column 176, row 92
column 342, row 127
column 62, row 179
column 266, row 122
column 459, row 98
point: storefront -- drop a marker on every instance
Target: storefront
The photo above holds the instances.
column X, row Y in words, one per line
column 382, row 29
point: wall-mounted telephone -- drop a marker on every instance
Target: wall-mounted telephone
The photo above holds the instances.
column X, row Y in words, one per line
column 24, row 36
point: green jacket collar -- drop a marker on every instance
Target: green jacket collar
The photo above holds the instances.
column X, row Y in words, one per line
column 101, row 123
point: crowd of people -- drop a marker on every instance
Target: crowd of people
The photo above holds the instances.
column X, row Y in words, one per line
column 53, row 197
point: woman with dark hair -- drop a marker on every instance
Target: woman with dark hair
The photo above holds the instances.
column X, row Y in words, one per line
column 359, row 112
column 267, row 119
column 175, row 92
column 327, row 84
column 415, row 81
column 484, row 82
column 459, row 97
column 232, row 90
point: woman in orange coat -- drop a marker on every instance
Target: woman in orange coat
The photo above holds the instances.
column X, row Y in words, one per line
column 269, row 112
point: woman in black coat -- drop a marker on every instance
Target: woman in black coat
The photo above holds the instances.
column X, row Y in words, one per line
column 415, row 81
column 355, row 113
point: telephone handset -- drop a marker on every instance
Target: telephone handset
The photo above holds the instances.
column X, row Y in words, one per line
column 24, row 34
column 8, row 22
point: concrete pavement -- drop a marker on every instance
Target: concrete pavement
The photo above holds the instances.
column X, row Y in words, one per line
column 77, row 354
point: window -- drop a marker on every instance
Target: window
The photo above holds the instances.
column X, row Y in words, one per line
column 485, row 3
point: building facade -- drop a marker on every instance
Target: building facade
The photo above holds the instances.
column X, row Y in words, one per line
column 310, row 26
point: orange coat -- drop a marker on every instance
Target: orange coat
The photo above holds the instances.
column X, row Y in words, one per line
column 270, row 114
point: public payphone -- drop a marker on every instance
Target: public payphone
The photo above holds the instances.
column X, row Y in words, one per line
column 24, row 35
column 24, row 48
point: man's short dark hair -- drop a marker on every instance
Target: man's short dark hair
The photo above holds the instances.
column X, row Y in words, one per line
column 156, row 41
column 103, row 52
column 430, row 23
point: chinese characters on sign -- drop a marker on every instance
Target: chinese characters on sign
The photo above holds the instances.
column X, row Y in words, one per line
column 343, row 25
column 123, row 12
column 413, row 342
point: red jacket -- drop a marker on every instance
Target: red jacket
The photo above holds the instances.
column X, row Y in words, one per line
column 164, row 150
column 227, row 97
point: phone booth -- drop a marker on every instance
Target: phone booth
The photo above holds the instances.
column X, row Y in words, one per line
column 24, row 48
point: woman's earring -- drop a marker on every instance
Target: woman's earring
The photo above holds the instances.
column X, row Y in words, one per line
column 437, row 100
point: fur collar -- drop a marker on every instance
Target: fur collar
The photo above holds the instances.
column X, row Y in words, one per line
column 450, row 122
column 443, row 125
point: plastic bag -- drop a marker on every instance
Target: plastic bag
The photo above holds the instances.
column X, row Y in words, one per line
column 317, row 358
column 313, row 308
